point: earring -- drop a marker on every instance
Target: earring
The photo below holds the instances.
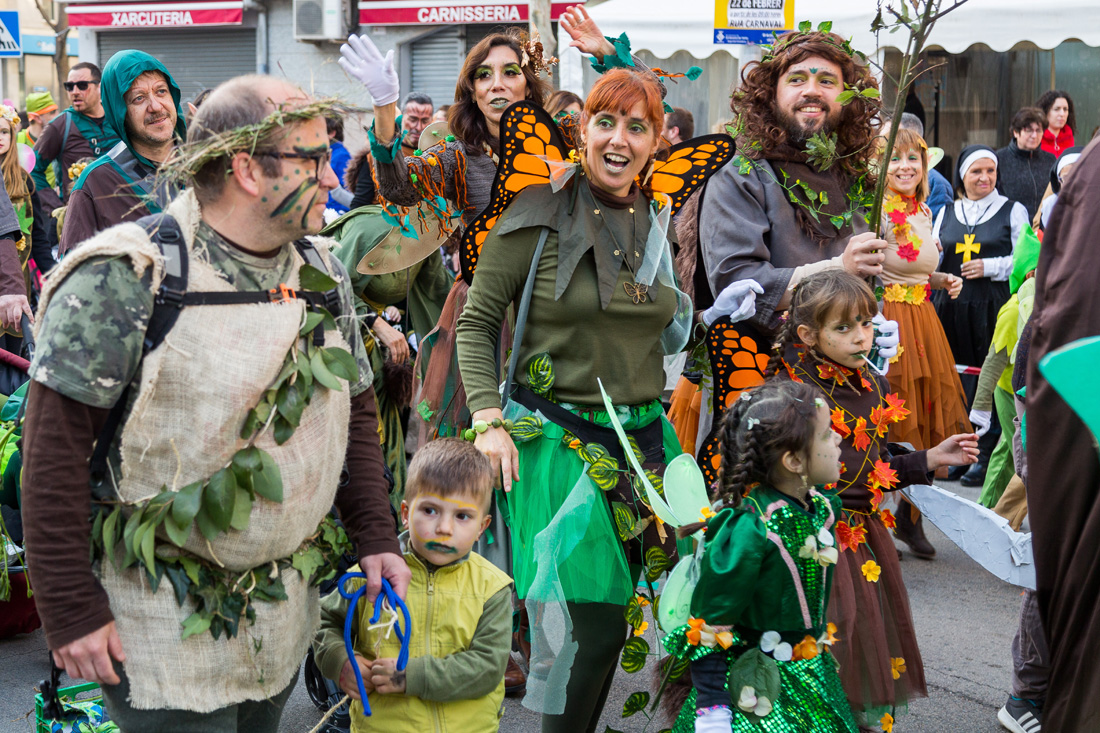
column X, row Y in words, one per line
column 805, row 483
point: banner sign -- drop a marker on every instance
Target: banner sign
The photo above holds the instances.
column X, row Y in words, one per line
column 156, row 15
column 751, row 21
column 432, row 12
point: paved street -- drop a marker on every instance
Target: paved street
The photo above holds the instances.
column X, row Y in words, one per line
column 965, row 620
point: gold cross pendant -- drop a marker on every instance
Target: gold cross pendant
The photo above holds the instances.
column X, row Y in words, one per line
column 968, row 247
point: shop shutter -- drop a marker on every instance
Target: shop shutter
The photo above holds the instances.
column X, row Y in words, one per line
column 197, row 59
column 436, row 61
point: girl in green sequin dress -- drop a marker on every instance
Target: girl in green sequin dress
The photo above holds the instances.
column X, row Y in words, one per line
column 758, row 642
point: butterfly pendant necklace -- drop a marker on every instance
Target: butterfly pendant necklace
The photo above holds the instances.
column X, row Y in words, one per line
column 636, row 291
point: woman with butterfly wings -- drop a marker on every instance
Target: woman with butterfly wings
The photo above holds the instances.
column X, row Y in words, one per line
column 577, row 242
column 456, row 175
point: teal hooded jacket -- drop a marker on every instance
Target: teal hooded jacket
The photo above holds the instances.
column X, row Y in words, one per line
column 118, row 75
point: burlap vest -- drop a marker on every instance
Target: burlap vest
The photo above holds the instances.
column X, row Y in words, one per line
column 194, row 393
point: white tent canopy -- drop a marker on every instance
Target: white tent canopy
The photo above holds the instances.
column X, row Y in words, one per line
column 663, row 28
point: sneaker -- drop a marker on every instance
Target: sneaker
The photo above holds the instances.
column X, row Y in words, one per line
column 1021, row 716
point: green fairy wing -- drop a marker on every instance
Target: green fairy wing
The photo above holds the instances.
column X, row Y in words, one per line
column 1067, row 369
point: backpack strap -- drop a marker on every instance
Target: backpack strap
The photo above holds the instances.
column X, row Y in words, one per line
column 172, row 297
column 57, row 165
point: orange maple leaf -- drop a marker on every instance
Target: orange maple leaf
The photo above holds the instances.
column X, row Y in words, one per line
column 876, row 498
column 832, row 371
column 883, row 477
column 888, row 518
column 790, row 373
column 895, row 410
column 850, row 537
column 864, row 382
column 860, row 439
column 839, row 425
column 881, row 419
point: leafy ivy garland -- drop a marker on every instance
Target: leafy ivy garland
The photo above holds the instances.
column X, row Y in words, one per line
column 224, row 501
column 604, row 470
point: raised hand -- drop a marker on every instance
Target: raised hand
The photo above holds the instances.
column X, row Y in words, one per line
column 362, row 60
column 587, row 36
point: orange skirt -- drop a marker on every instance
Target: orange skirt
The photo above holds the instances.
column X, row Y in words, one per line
column 924, row 376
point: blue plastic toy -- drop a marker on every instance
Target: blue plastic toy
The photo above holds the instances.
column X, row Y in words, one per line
column 402, row 635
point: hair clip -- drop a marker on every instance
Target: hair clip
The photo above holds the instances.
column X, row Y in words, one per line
column 751, row 423
column 819, row 402
column 745, row 396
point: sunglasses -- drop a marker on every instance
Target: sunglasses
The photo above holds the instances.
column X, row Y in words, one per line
column 81, row 85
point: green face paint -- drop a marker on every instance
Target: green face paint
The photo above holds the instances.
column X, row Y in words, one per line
column 293, row 201
column 813, row 70
column 441, row 548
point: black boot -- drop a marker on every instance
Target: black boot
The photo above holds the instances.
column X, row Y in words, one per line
column 956, row 472
column 975, row 476
column 910, row 530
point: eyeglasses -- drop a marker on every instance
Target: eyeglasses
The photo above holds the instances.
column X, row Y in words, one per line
column 81, row 85
column 321, row 159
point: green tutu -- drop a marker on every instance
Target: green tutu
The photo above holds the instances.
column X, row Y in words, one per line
column 597, row 570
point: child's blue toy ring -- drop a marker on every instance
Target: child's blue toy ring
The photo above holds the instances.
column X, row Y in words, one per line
column 402, row 634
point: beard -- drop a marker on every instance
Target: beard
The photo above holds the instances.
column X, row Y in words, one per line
column 799, row 131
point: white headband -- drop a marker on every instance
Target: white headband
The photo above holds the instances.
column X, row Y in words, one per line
column 974, row 157
column 1067, row 159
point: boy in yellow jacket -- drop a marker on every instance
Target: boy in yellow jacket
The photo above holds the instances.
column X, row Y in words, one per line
column 461, row 609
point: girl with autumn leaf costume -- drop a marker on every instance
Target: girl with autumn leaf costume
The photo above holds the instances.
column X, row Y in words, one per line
column 824, row 340
column 757, row 640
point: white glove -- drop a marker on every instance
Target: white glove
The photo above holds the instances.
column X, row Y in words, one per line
column 737, row 300
column 715, row 721
column 887, row 339
column 981, row 419
column 361, row 59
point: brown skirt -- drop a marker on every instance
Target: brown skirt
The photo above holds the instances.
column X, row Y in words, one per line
column 683, row 413
column 875, row 627
column 924, row 376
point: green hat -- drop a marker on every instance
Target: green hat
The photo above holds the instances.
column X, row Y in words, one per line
column 40, row 103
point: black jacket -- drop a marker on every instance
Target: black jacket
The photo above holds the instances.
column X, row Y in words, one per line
column 1023, row 175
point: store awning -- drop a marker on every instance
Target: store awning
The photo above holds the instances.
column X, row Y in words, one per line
column 663, row 28
column 155, row 14
column 448, row 12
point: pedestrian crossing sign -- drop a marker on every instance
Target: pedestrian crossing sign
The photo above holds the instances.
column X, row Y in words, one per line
column 11, row 45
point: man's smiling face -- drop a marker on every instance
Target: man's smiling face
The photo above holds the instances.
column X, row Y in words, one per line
column 805, row 98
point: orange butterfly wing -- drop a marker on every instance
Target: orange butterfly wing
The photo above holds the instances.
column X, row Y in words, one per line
column 738, row 357
column 526, row 133
column 688, row 165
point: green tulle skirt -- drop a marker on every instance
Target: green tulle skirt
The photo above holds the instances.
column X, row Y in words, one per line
column 597, row 570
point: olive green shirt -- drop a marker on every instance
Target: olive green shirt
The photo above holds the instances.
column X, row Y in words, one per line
column 620, row 344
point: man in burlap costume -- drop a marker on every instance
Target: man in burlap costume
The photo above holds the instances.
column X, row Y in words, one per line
column 189, row 398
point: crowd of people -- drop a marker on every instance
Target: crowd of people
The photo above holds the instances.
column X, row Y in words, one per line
column 242, row 331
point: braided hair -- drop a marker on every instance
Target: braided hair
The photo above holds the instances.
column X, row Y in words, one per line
column 814, row 300
column 758, row 428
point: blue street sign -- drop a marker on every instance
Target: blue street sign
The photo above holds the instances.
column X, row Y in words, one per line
column 11, row 46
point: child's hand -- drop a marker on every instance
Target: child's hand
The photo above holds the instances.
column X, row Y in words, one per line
column 347, row 677
column 385, row 678
column 958, row 450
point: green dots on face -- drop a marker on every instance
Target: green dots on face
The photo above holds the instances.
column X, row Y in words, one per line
column 263, row 199
column 276, row 188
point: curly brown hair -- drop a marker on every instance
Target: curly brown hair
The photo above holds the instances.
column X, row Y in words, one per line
column 756, row 116
column 465, row 120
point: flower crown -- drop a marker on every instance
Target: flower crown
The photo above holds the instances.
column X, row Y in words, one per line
column 9, row 114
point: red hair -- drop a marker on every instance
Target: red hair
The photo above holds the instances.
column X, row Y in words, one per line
column 620, row 90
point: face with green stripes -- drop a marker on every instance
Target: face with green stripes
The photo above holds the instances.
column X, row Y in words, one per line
column 295, row 197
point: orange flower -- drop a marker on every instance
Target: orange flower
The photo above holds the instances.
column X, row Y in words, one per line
column 860, row 439
column 887, row 723
column 642, row 601
column 850, row 537
column 839, row 425
column 706, row 514
column 888, row 518
column 883, row 477
column 639, row 630
column 830, row 637
column 897, row 667
column 695, row 632
column 805, row 649
column 871, row 571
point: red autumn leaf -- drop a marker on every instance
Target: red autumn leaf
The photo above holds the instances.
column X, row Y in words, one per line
column 860, row 439
column 850, row 537
column 881, row 421
column 864, row 382
column 790, row 373
column 883, row 477
column 839, row 425
column 876, row 498
column 896, row 408
column 908, row 253
column 897, row 216
column 888, row 518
